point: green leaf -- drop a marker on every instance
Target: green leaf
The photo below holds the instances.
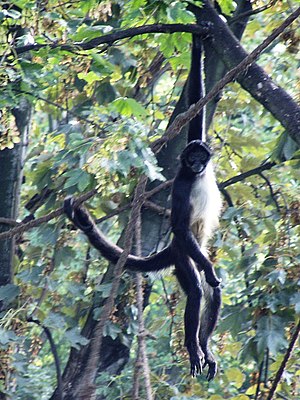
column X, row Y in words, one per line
column 9, row 292
column 78, row 178
column 7, row 336
column 90, row 77
column 227, row 6
column 128, row 107
column 54, row 321
column 295, row 301
column 46, row 234
column 86, row 33
column 270, row 334
column 105, row 289
column 112, row 330
column 75, row 339
column 277, row 275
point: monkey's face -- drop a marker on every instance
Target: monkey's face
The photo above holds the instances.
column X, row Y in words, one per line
column 197, row 160
column 196, row 156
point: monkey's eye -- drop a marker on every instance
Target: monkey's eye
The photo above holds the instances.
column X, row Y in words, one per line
column 198, row 156
column 203, row 156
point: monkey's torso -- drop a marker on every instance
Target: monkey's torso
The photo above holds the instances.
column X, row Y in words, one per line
column 205, row 201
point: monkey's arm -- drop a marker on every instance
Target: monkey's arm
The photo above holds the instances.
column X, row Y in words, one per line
column 82, row 220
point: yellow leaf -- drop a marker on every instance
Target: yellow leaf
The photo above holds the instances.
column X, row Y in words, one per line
column 251, row 390
column 235, row 376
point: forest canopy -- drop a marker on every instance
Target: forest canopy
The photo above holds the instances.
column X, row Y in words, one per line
column 93, row 104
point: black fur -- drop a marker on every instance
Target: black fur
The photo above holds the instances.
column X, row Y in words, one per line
column 196, row 90
column 185, row 250
column 82, row 220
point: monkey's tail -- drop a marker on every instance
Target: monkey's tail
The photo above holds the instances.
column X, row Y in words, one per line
column 82, row 220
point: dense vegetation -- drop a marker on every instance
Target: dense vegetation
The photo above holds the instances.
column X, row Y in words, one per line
column 76, row 117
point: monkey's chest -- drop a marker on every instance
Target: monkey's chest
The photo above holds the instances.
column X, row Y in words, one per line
column 199, row 201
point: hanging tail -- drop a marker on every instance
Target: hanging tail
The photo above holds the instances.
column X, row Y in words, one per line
column 82, row 220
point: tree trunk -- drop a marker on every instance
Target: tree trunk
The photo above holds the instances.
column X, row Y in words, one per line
column 11, row 167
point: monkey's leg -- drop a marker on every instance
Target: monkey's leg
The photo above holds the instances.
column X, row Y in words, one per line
column 190, row 281
column 208, row 322
column 185, row 239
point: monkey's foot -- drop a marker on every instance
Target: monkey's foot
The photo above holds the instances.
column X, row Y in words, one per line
column 196, row 358
column 212, row 367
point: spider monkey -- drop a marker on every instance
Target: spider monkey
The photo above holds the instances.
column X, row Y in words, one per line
column 196, row 205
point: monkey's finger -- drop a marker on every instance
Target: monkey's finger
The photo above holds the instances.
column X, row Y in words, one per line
column 212, row 372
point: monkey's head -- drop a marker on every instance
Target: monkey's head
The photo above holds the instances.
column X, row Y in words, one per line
column 196, row 156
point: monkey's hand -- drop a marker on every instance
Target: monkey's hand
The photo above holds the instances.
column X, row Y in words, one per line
column 78, row 215
column 196, row 358
column 211, row 277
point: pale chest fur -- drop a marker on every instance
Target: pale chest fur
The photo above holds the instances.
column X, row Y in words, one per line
column 206, row 205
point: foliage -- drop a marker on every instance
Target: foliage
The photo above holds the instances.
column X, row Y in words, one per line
column 95, row 114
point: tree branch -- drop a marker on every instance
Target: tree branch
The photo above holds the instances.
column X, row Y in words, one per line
column 23, row 227
column 244, row 175
column 115, row 36
column 55, row 355
column 254, row 79
column 284, row 362
column 46, row 218
column 184, row 118
column 141, row 363
column 84, row 389
column 60, row 107
column 252, row 12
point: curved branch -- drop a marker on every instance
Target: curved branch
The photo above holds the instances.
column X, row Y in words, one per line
column 60, row 107
column 115, row 36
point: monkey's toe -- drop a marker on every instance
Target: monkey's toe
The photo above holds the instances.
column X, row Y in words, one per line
column 212, row 370
column 196, row 359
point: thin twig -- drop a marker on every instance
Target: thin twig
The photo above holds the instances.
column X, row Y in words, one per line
column 252, row 12
column 9, row 221
column 284, row 362
column 55, row 355
column 60, row 107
